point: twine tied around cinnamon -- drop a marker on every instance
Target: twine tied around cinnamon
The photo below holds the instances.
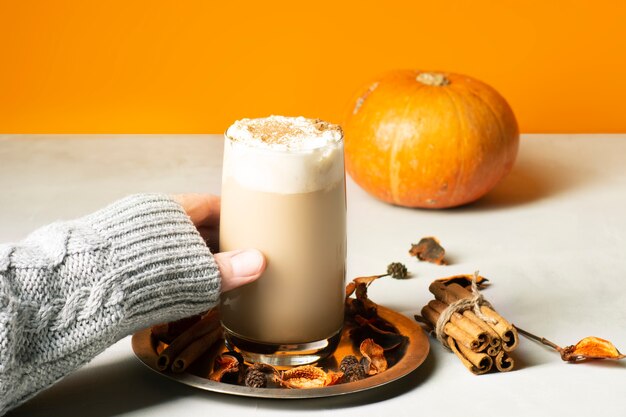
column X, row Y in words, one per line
column 472, row 303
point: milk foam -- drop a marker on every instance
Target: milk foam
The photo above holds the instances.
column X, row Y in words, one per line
column 284, row 155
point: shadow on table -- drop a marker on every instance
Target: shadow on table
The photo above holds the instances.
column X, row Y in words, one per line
column 393, row 389
column 528, row 182
column 104, row 391
column 126, row 386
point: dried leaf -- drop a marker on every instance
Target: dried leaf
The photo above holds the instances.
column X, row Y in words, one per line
column 362, row 283
column 309, row 376
column 378, row 329
column 356, row 307
column 350, row 288
column 591, row 348
column 361, row 305
column 377, row 324
column 428, row 249
column 374, row 356
column 464, row 281
column 225, row 364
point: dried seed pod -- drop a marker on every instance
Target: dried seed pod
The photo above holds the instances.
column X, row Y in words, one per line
column 376, row 361
column 309, row 376
column 397, row 270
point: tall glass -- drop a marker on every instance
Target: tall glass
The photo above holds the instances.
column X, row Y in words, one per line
column 283, row 192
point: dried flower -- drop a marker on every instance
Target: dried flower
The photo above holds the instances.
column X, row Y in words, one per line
column 309, row 376
column 428, row 249
column 591, row 348
column 586, row 349
column 397, row 270
column 227, row 364
column 374, row 357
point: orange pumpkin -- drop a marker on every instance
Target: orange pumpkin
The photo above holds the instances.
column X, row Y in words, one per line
column 432, row 140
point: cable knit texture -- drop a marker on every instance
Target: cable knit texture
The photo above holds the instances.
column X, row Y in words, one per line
column 72, row 288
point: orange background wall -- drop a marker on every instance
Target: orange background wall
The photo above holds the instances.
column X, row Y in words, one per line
column 194, row 66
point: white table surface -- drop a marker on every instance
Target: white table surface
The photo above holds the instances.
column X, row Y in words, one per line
column 551, row 238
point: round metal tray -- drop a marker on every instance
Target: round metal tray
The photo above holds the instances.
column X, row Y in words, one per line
column 402, row 360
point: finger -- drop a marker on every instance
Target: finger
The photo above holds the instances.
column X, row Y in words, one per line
column 239, row 267
column 203, row 209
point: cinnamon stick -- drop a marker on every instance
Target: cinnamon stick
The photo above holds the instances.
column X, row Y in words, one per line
column 441, row 293
column 507, row 332
column 495, row 343
column 503, row 362
column 480, row 338
column 454, row 292
column 196, row 349
column 207, row 324
column 450, row 329
column 167, row 332
column 477, row 363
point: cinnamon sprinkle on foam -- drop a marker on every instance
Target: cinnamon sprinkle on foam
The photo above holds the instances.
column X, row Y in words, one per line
column 285, row 133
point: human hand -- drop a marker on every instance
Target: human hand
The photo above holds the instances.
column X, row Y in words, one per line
column 237, row 267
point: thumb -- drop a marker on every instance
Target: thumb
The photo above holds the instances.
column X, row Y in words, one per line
column 239, row 267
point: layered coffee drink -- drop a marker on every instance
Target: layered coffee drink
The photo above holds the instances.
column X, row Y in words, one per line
column 283, row 192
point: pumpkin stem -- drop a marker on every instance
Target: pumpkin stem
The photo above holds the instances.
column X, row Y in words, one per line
column 435, row 79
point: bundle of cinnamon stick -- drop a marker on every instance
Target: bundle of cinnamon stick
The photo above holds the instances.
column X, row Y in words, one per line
column 481, row 338
column 187, row 340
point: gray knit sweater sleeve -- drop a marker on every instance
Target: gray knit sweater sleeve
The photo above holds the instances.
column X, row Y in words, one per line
column 73, row 288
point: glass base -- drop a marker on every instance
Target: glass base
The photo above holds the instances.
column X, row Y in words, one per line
column 281, row 354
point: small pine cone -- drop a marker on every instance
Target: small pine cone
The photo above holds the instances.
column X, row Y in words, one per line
column 354, row 372
column 255, row 379
column 397, row 270
column 351, row 368
column 347, row 362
